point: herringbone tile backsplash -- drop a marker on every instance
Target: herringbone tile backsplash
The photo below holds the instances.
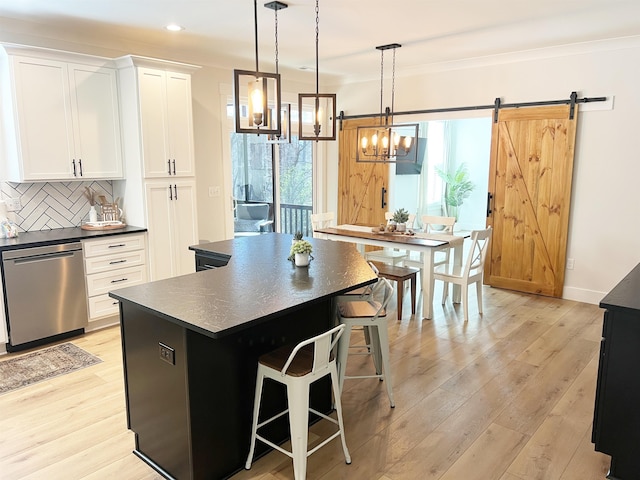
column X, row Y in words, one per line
column 46, row 206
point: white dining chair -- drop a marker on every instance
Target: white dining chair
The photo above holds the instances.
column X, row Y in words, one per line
column 432, row 224
column 470, row 272
column 322, row 220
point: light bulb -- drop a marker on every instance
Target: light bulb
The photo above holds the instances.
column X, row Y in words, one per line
column 396, row 139
column 364, row 142
column 319, row 115
column 374, row 140
column 407, row 143
column 385, row 142
column 256, row 102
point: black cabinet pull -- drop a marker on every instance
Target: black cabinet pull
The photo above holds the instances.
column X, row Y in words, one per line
column 170, row 193
column 175, row 188
column 174, row 166
column 118, row 281
column 169, row 165
column 74, row 167
column 117, row 261
column 384, row 192
column 80, row 164
column 117, row 245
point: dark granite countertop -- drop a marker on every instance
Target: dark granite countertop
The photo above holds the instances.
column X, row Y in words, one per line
column 257, row 284
column 625, row 295
column 60, row 235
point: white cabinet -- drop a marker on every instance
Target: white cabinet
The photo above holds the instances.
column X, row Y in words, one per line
column 159, row 193
column 172, row 227
column 113, row 262
column 166, row 121
column 60, row 118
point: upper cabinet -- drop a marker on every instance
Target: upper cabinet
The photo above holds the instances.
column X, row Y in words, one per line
column 60, row 116
column 166, row 123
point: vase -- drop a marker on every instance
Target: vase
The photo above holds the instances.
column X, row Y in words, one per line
column 401, row 227
column 93, row 214
column 302, row 259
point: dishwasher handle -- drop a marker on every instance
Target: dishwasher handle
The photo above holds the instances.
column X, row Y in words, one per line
column 43, row 258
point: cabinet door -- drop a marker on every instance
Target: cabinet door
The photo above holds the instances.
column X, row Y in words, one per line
column 159, row 197
column 185, row 226
column 153, row 113
column 94, row 104
column 180, row 123
column 45, row 128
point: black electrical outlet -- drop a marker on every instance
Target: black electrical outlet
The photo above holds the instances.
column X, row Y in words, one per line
column 167, row 353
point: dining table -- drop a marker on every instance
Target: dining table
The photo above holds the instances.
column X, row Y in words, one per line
column 426, row 243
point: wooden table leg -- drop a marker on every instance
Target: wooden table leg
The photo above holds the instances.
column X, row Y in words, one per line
column 400, row 296
column 414, row 281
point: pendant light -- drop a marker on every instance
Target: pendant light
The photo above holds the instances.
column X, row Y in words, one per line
column 321, row 105
column 387, row 143
column 262, row 92
column 285, row 111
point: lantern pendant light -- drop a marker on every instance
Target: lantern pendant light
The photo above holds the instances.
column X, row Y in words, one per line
column 387, row 143
column 285, row 113
column 255, row 95
column 321, row 105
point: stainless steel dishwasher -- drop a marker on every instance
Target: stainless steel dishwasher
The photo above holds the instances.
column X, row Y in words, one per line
column 45, row 292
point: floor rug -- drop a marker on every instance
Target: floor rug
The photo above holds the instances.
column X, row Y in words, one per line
column 34, row 367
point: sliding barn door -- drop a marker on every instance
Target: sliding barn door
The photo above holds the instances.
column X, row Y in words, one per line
column 530, row 179
column 361, row 186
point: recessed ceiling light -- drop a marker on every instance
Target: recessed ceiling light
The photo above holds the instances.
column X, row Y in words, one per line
column 172, row 27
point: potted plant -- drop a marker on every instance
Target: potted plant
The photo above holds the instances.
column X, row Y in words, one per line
column 458, row 188
column 401, row 217
column 301, row 253
column 296, row 237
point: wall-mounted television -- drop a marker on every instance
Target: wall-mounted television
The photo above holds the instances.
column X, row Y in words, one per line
column 413, row 168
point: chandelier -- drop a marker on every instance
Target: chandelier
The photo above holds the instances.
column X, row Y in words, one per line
column 387, row 143
column 322, row 105
column 260, row 110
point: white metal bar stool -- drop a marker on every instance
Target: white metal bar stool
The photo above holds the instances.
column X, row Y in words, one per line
column 297, row 368
column 372, row 315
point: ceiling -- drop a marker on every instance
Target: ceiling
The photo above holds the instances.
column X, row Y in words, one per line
column 221, row 32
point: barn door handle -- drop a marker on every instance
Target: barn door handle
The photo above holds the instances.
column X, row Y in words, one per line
column 489, row 197
column 384, row 192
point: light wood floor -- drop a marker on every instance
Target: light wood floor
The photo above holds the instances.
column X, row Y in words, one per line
column 505, row 396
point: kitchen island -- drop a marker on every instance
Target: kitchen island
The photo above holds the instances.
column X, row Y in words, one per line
column 616, row 422
column 191, row 346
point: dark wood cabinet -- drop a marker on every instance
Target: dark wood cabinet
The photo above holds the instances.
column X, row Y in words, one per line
column 616, row 422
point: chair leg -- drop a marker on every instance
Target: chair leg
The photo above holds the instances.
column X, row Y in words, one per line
column 445, row 291
column 400, row 296
column 374, row 348
column 298, row 400
column 343, row 353
column 479, row 295
column 414, row 281
column 465, row 300
column 383, row 342
column 256, row 411
column 338, row 406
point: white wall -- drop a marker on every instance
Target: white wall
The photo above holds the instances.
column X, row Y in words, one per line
column 604, row 224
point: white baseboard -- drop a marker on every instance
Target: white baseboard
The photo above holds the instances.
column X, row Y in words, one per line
column 582, row 295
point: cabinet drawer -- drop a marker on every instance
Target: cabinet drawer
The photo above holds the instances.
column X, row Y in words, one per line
column 114, row 244
column 102, row 306
column 101, row 283
column 115, row 261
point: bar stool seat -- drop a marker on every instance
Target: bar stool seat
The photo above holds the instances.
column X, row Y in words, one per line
column 399, row 275
column 298, row 367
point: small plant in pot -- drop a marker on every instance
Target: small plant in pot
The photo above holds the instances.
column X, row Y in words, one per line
column 301, row 253
column 401, row 217
column 296, row 237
